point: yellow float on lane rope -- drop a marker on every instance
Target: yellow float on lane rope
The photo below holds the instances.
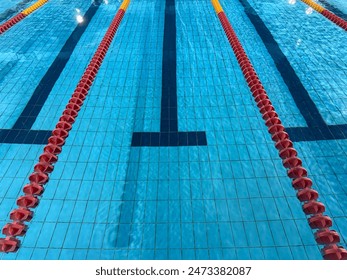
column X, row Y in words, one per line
column 34, row 7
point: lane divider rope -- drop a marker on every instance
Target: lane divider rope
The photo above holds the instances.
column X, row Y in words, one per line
column 325, row 12
column 40, row 176
column 17, row 18
column 300, row 180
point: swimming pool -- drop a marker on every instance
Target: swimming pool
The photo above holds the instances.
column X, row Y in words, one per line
column 169, row 157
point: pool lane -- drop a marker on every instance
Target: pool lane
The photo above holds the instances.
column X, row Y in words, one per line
column 40, row 177
column 311, row 207
column 43, row 89
column 316, row 129
column 21, row 131
column 24, row 64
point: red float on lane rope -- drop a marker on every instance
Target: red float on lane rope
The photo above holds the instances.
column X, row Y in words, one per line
column 334, row 252
column 14, row 229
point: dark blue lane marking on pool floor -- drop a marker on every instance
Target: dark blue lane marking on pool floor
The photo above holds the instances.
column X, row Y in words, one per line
column 317, row 128
column 166, row 139
column 21, row 132
column 333, row 9
column 169, row 134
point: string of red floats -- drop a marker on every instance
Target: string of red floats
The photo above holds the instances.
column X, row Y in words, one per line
column 49, row 157
column 300, row 180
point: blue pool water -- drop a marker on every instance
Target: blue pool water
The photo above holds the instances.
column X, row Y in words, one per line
column 229, row 198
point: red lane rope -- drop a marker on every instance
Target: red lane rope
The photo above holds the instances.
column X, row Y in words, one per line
column 40, row 176
column 300, row 182
column 335, row 19
column 12, row 21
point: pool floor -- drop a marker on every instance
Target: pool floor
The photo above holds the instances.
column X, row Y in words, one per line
column 169, row 156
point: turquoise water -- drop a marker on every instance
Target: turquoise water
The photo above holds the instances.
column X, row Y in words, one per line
column 230, row 199
column 9, row 8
